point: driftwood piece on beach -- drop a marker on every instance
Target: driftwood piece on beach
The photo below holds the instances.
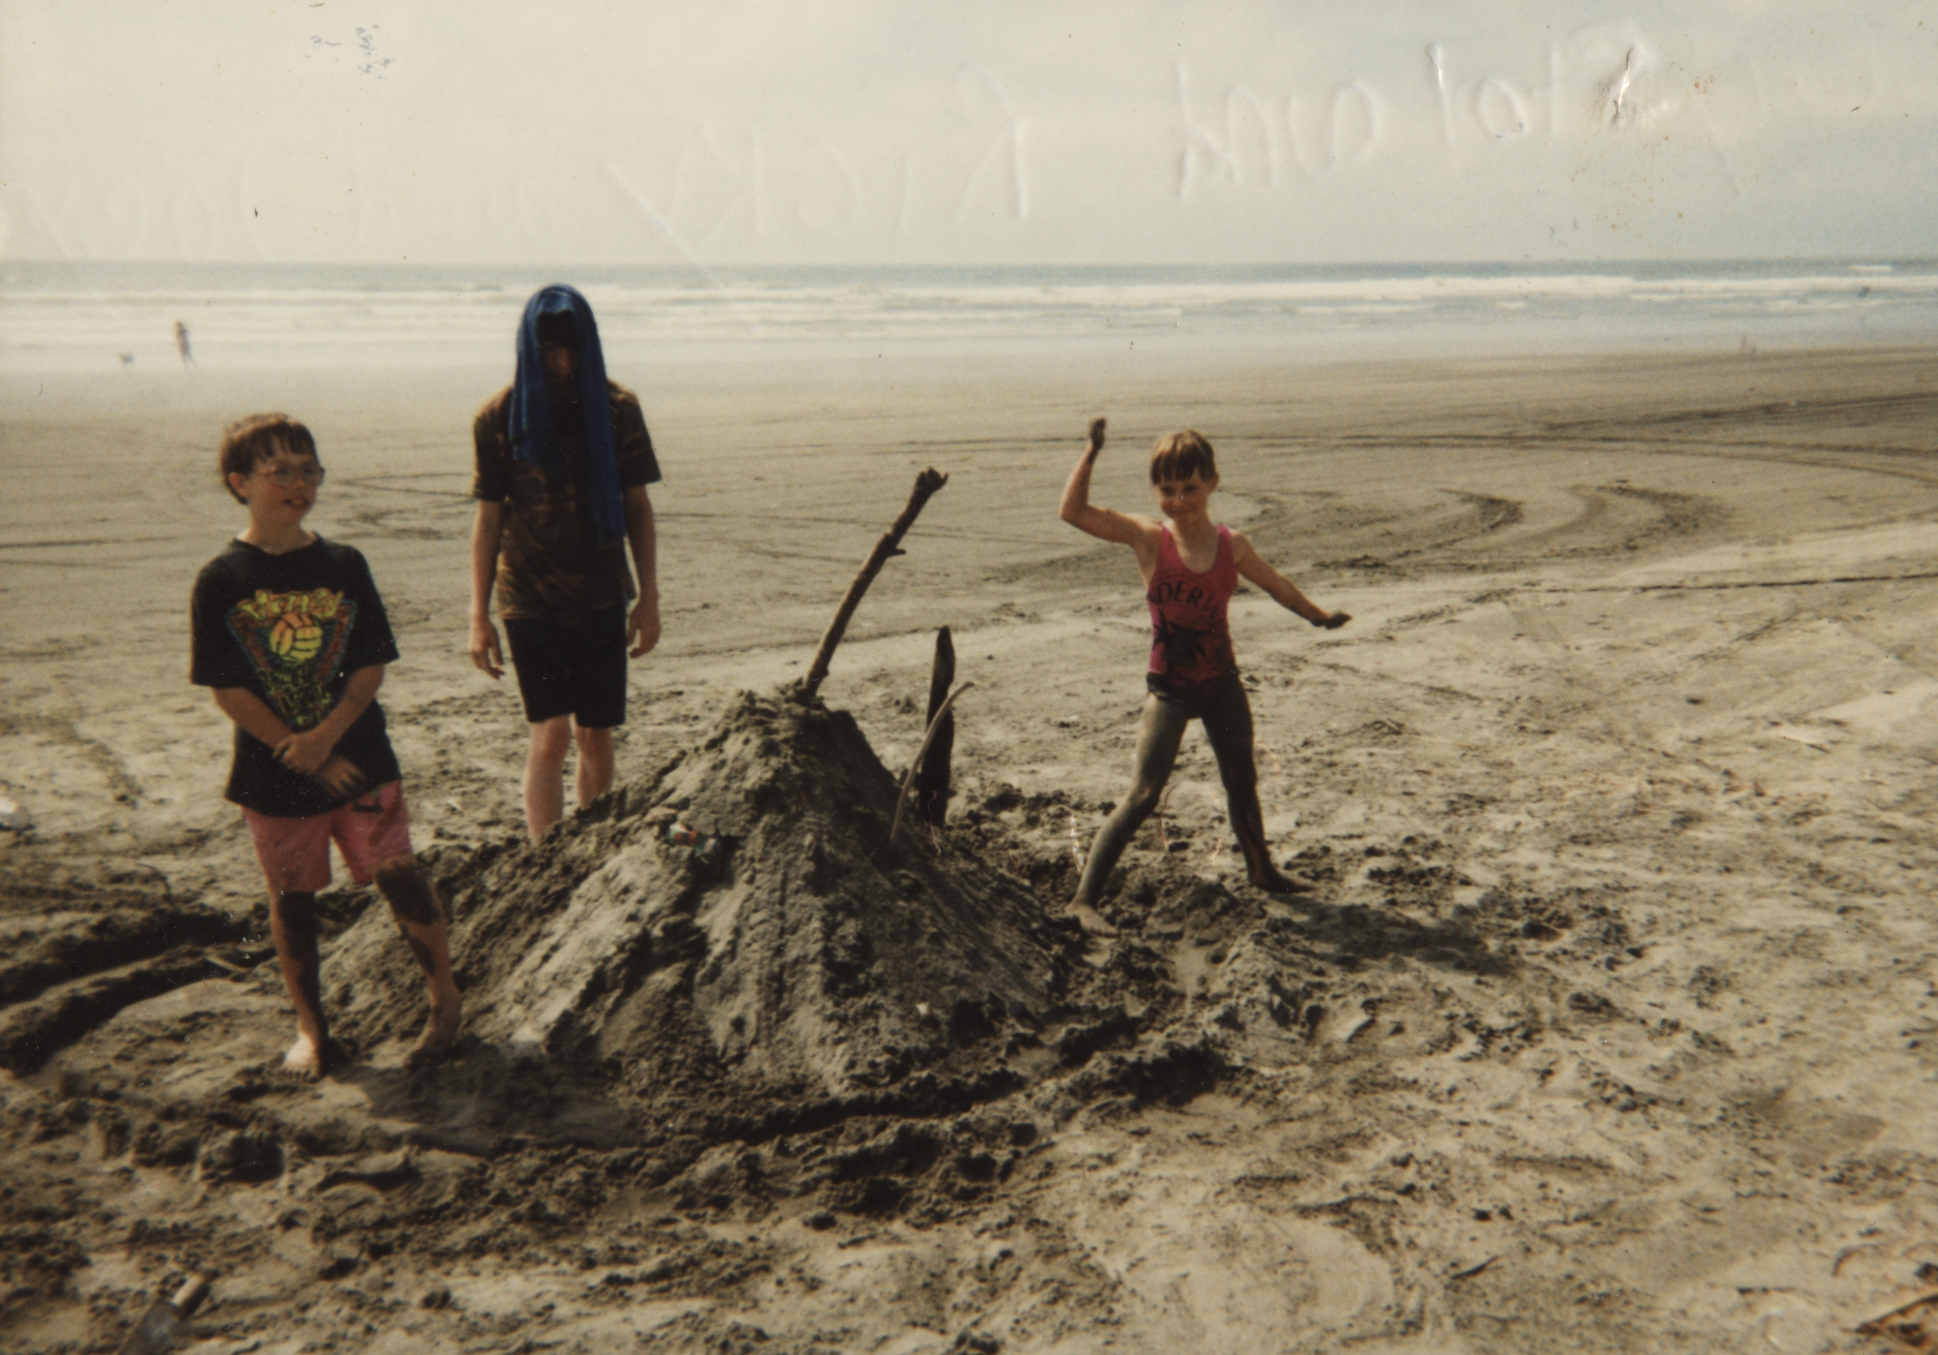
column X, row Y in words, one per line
column 1910, row 1325
column 932, row 772
column 926, row 484
column 928, row 739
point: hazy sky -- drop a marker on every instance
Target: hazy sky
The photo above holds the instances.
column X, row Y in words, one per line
column 1120, row 132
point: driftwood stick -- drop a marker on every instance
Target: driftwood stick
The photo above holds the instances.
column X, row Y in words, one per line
column 1880, row 1325
column 926, row 484
column 932, row 772
column 908, row 780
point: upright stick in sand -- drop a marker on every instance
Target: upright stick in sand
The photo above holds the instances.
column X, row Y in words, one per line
column 925, row 486
column 932, row 772
column 921, row 756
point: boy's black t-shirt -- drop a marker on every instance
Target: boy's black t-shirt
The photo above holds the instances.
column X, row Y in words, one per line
column 291, row 629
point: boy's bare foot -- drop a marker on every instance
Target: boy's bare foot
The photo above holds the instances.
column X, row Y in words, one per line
column 440, row 1033
column 1274, row 883
column 1091, row 920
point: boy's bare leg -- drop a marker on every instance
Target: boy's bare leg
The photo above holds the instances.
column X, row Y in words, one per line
column 1228, row 728
column 1159, row 733
column 420, row 917
column 596, row 762
column 545, row 774
column 292, row 923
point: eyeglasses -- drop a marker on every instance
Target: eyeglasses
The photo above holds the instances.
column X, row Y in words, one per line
column 287, row 477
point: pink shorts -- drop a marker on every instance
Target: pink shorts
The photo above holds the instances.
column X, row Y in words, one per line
column 295, row 853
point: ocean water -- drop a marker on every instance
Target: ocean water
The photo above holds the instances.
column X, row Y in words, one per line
column 101, row 317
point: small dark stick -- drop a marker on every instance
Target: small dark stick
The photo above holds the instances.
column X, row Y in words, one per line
column 925, row 485
column 932, row 776
column 901, row 797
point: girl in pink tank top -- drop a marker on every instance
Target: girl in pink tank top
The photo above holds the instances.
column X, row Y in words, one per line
column 1192, row 674
column 1190, row 637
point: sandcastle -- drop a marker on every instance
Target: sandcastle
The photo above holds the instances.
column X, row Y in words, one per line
column 814, row 960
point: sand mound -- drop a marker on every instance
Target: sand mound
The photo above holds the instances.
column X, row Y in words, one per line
column 813, row 963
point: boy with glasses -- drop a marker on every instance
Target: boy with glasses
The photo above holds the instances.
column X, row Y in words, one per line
column 290, row 633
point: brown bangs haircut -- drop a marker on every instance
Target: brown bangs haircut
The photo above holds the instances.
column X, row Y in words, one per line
column 258, row 438
column 1179, row 456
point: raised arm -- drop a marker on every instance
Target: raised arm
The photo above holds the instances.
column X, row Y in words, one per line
column 1279, row 588
column 1140, row 534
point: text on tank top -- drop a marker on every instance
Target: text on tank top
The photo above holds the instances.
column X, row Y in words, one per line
column 1190, row 639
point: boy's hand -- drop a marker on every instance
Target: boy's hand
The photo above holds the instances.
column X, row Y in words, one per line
column 1332, row 621
column 341, row 777
column 642, row 627
column 306, row 753
column 485, row 653
column 1096, row 436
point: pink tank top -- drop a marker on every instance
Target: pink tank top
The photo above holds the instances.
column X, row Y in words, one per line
column 1190, row 640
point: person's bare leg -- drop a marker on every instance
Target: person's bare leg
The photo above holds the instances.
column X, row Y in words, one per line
column 420, row 917
column 292, row 924
column 545, row 774
column 596, row 762
column 1160, row 730
column 1228, row 728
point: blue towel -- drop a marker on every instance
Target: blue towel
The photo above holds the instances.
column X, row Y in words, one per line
column 534, row 438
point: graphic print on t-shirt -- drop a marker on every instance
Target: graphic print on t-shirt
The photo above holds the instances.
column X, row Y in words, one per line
column 295, row 640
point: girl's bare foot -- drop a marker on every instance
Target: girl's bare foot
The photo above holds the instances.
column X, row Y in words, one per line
column 306, row 1059
column 1091, row 920
column 440, row 1033
column 1272, row 882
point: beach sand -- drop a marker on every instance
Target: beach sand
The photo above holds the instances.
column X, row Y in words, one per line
column 1637, row 699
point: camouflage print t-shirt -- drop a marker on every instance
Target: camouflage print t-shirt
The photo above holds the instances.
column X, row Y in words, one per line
column 550, row 564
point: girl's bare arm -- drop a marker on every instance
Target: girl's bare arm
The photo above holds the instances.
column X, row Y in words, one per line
column 1279, row 588
column 1107, row 524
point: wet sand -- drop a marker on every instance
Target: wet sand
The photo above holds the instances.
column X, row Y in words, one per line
column 1637, row 699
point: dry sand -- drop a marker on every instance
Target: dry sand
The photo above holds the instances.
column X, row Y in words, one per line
column 1612, row 1024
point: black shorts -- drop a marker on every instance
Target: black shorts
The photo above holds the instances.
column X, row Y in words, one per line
column 1217, row 699
column 577, row 670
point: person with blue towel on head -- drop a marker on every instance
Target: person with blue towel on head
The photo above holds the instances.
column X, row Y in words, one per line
column 563, row 461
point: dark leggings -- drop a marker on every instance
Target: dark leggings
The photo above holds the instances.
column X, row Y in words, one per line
column 1227, row 716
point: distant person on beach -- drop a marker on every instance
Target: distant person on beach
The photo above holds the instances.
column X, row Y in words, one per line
column 181, row 344
column 1191, row 567
column 291, row 634
column 563, row 461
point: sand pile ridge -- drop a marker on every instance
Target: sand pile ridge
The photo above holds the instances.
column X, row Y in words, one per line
column 813, row 961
